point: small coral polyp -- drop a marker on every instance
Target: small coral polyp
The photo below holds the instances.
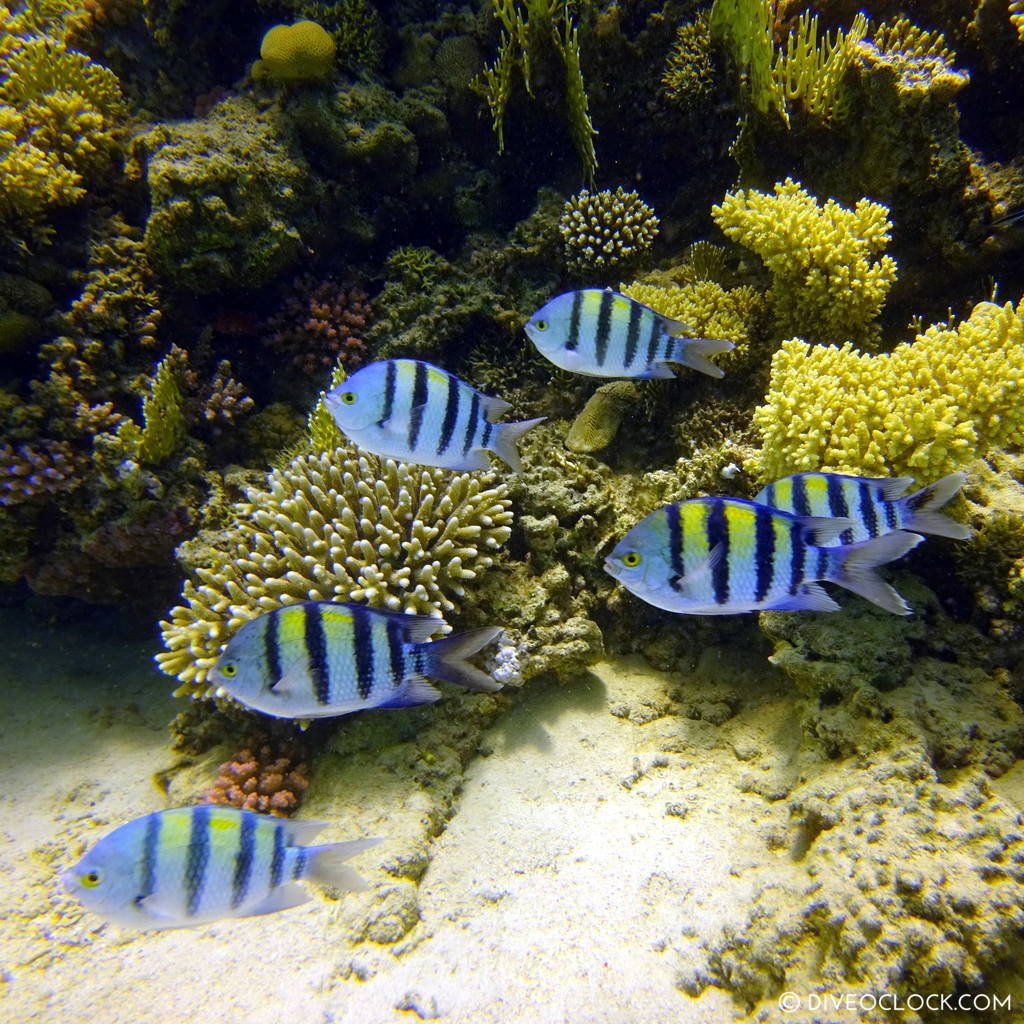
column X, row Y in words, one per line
column 334, row 527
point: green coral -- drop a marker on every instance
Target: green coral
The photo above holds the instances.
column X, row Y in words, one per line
column 830, row 276
column 303, row 52
column 606, row 228
column 227, row 197
column 689, row 73
column 61, row 121
column 529, row 28
column 810, row 72
column 923, row 410
column 163, row 412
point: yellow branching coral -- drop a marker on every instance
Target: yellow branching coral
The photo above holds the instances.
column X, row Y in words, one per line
column 163, row 411
column 303, row 52
column 689, row 73
column 331, row 526
column 922, row 410
column 708, row 310
column 808, row 72
column 606, row 228
column 61, row 118
column 829, row 275
column 1017, row 17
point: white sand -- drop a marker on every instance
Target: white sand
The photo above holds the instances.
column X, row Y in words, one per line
column 561, row 890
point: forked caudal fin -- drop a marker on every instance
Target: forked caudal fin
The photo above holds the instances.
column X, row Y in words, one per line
column 446, row 659
column 506, row 435
column 921, row 508
column 854, row 568
column 694, row 352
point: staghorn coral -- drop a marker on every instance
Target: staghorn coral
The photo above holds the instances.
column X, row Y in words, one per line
column 830, row 276
column 331, row 526
column 922, row 410
column 688, row 77
column 320, row 324
column 303, row 52
column 606, row 228
column 61, row 121
column 255, row 780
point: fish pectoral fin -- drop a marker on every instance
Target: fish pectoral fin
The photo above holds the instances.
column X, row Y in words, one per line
column 414, row 690
column 700, row 573
column 155, row 907
column 293, row 679
column 283, row 898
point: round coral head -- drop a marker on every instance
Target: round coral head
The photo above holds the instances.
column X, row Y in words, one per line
column 303, row 52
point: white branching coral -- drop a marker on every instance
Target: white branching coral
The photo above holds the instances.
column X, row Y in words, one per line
column 332, row 526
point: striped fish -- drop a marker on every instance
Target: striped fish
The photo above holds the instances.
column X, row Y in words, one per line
column 409, row 410
column 875, row 505
column 717, row 556
column 193, row 865
column 600, row 333
column 326, row 658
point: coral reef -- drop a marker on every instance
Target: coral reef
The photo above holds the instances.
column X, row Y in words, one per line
column 223, row 399
column 829, row 273
column 261, row 779
column 688, row 76
column 303, row 52
column 226, row 199
column 923, row 410
column 61, row 121
column 606, row 229
column 31, row 471
column 332, row 526
column 320, row 324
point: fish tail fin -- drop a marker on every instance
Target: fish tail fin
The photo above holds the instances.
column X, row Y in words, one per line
column 853, row 567
column 446, row 659
column 921, row 508
column 694, row 352
column 326, row 864
column 506, row 435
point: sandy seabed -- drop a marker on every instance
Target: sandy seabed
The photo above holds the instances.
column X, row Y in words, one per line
column 599, row 844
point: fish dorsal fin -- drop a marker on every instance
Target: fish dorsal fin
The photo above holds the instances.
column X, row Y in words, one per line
column 415, row 628
column 822, row 530
column 294, row 679
column 302, row 833
column 494, row 408
column 700, row 573
column 892, row 488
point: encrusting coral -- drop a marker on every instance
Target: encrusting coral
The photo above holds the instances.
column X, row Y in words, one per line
column 603, row 229
column 333, row 526
column 303, row 52
column 923, row 410
column 830, row 277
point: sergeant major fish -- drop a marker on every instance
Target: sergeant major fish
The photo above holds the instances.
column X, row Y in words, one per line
column 193, row 865
column 717, row 556
column 875, row 505
column 409, row 410
column 326, row 658
column 600, row 333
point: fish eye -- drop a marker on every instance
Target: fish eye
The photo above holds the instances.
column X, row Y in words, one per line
column 91, row 879
column 348, row 397
column 541, row 325
column 229, row 669
column 631, row 559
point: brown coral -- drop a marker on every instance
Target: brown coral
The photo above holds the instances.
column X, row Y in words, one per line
column 35, row 470
column 321, row 323
column 255, row 780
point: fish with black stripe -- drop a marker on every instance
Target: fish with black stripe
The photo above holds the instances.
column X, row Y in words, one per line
column 876, row 505
column 410, row 410
column 193, row 865
column 719, row 556
column 600, row 333
column 320, row 659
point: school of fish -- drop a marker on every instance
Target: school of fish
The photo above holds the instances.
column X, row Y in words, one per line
column 706, row 556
